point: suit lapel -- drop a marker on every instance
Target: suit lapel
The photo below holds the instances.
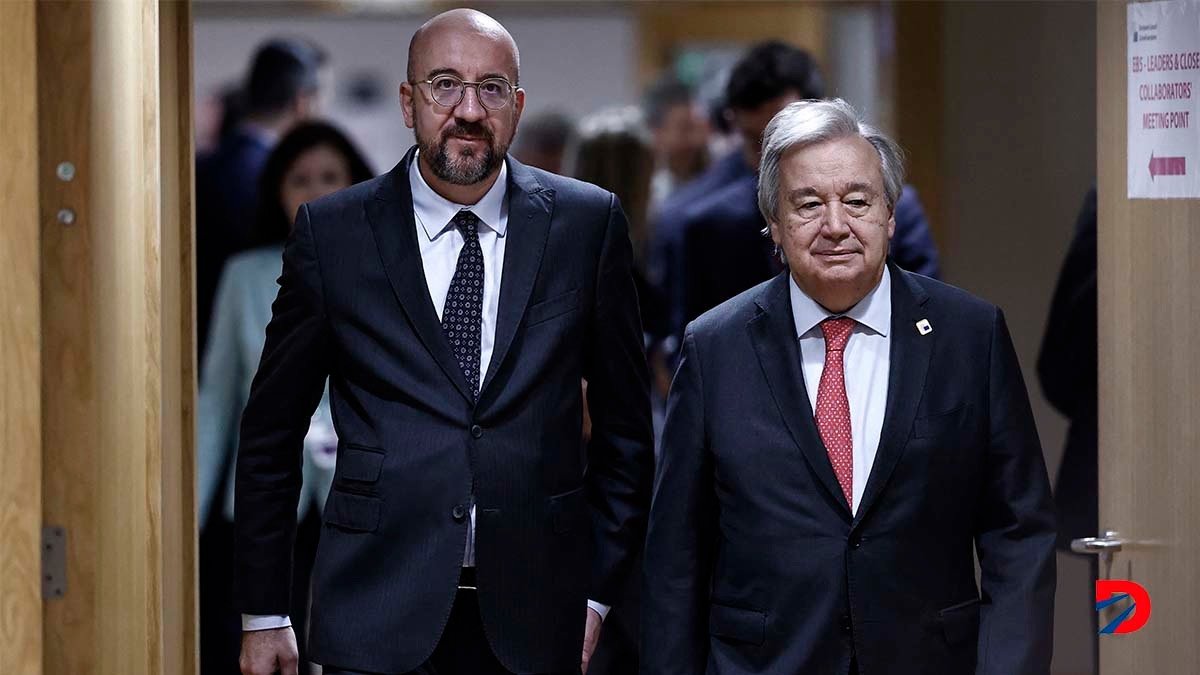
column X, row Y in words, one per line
column 910, row 353
column 773, row 332
column 390, row 213
column 529, row 209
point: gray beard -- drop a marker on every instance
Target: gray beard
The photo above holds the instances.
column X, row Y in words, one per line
column 465, row 170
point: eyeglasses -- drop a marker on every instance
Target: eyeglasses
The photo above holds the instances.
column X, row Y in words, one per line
column 448, row 90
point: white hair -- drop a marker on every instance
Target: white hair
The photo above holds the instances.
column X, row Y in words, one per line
column 807, row 123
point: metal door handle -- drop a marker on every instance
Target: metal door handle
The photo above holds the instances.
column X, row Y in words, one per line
column 1104, row 547
column 1110, row 543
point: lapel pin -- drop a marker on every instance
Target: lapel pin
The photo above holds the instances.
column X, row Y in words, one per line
column 923, row 327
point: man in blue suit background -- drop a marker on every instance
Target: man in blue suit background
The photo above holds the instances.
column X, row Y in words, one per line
column 840, row 442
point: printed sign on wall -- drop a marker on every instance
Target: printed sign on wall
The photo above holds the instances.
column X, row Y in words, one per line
column 1164, row 81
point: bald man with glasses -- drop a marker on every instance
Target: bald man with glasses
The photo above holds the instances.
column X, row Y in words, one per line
column 455, row 304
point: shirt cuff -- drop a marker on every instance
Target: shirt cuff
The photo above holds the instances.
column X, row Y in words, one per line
column 253, row 622
column 600, row 609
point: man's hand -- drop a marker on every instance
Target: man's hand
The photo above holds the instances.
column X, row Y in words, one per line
column 591, row 636
column 266, row 652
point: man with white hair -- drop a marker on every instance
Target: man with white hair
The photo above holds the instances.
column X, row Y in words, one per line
column 840, row 441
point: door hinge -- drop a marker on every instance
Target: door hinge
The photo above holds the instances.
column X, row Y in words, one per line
column 54, row 562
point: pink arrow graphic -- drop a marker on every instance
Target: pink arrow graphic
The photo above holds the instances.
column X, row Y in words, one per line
column 1167, row 166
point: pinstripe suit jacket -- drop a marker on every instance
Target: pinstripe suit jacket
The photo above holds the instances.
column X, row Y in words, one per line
column 557, row 523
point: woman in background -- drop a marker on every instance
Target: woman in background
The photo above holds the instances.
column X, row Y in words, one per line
column 312, row 160
column 612, row 149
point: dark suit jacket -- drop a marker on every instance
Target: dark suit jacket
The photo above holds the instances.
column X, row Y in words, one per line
column 226, row 193
column 724, row 250
column 556, row 525
column 754, row 563
column 670, row 224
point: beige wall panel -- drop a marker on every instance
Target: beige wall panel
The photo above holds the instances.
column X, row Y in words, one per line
column 664, row 25
column 918, row 107
column 20, row 348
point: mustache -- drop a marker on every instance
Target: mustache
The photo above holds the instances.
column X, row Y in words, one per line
column 472, row 129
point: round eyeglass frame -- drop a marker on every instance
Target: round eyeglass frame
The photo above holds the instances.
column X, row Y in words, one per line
column 508, row 87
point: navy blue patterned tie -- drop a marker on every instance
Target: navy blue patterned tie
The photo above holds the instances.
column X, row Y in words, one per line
column 462, row 317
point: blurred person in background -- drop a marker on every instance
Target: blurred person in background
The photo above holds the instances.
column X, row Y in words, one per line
column 312, row 160
column 681, row 134
column 769, row 76
column 1067, row 370
column 707, row 246
column 723, row 140
column 454, row 304
column 233, row 111
column 279, row 91
column 612, row 149
column 542, row 141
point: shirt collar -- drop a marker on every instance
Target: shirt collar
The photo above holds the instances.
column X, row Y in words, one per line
column 874, row 311
column 435, row 213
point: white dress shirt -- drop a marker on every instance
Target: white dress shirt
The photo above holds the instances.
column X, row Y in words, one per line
column 866, row 364
column 440, row 242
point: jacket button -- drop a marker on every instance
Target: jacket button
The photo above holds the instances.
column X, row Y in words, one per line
column 856, row 542
column 476, row 431
column 459, row 513
column 846, row 623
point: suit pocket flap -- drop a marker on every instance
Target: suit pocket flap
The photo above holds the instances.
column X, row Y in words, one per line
column 744, row 625
column 567, row 509
column 359, row 513
column 359, row 463
column 934, row 426
column 960, row 622
column 548, row 309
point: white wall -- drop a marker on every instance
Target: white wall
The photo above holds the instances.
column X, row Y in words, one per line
column 573, row 60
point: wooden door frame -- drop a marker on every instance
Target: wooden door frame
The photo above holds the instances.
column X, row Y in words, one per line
column 97, row 337
column 20, row 348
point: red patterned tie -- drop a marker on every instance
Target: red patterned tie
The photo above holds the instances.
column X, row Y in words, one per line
column 833, row 409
